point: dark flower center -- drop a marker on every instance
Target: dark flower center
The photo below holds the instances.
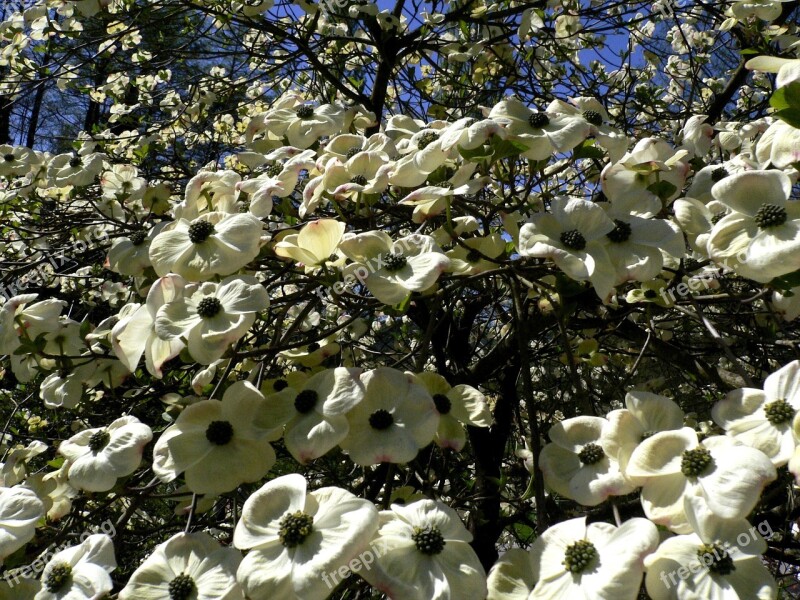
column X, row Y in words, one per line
column 99, row 440
column 137, row 238
column 779, row 412
column 359, row 180
column 75, row 162
column 538, row 120
column 304, row 112
column 428, row 540
column 591, row 454
column 295, row 528
column 279, row 384
column 306, row 401
column 199, row 231
column 274, row 170
column 313, row 347
column 394, row 262
column 9, row 158
column 58, row 577
column 443, row 404
column 719, row 174
column 445, row 185
column 573, row 239
column 650, row 294
column 593, row 117
column 648, row 434
column 695, row 462
column 427, row 138
column 352, row 152
column 691, row 264
column 620, row 233
column 770, row 215
column 181, row 587
column 381, row 419
column 578, row 556
column 473, row 256
column 718, row 217
column 716, row 558
column 209, row 307
column 219, row 432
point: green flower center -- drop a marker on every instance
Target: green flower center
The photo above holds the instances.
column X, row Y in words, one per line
column 137, row 238
column 306, row 401
column 99, row 440
column 593, row 117
column 428, row 540
column 443, row 404
column 359, row 180
column 716, row 558
column 75, row 162
column 696, row 461
column 274, row 170
column 209, row 307
column 199, row 231
column 718, row 217
column 352, row 152
column 58, row 577
column 779, row 412
column 304, row 112
column 573, row 239
column 620, row 233
column 394, row 262
column 426, row 139
column 578, row 556
column 381, row 419
column 719, row 174
column 295, row 528
column 538, row 120
column 591, row 454
column 181, row 587
column 770, row 215
column 280, row 384
column 219, row 432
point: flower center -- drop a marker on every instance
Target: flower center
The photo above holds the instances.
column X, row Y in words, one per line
column 719, row 174
column 306, row 401
column 352, row 152
column 538, row 120
column 443, row 404
column 99, row 440
column 181, row 587
column 58, row 577
column 199, row 231
column 718, row 217
column 219, row 432
column 770, row 215
column 691, row 264
column 573, row 239
column 313, row 347
column 304, row 112
column 428, row 540
column 620, row 233
column 274, row 170
column 137, row 238
column 445, row 185
column 427, row 138
column 279, row 384
column 591, row 454
column 359, row 180
column 209, row 307
column 716, row 558
column 650, row 294
column 473, row 256
column 593, row 117
column 295, row 528
column 696, row 461
column 394, row 262
column 381, row 419
column 75, row 162
column 578, row 556
column 9, row 158
column 779, row 412
column 648, row 434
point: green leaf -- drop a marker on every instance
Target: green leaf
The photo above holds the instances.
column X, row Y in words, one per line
column 505, row 148
column 786, row 282
column 662, row 189
column 587, row 150
column 790, row 116
column 476, row 154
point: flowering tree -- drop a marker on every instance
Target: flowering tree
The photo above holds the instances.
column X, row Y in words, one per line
column 418, row 300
